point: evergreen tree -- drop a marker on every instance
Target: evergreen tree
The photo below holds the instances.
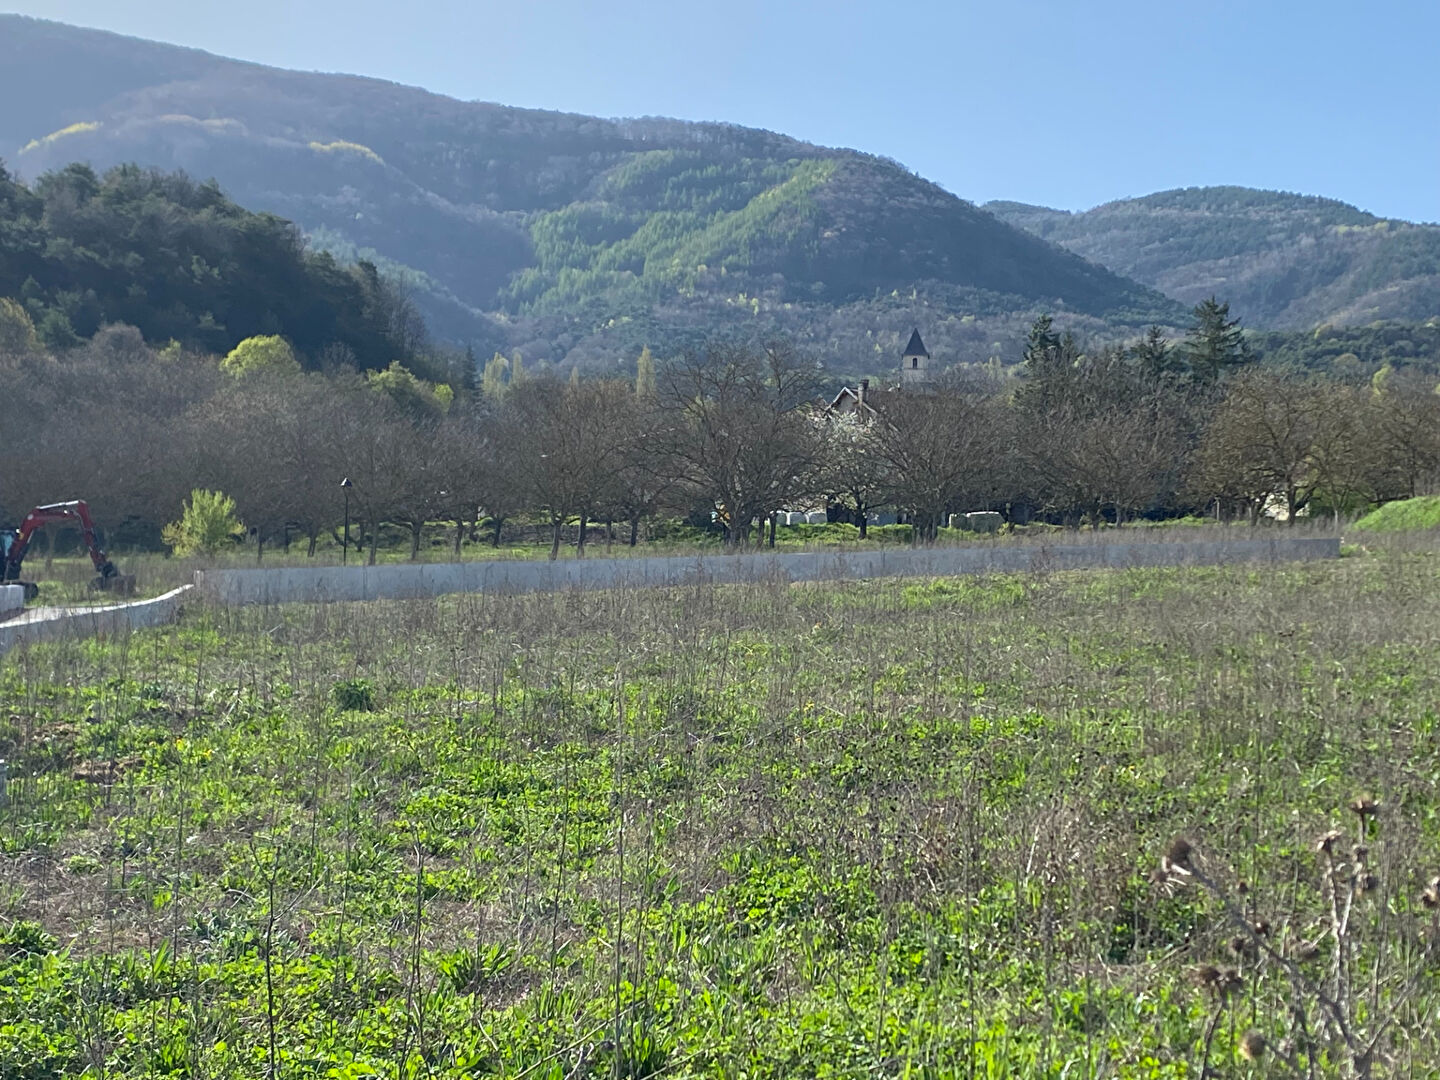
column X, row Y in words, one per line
column 1216, row 343
column 1155, row 357
column 1049, row 366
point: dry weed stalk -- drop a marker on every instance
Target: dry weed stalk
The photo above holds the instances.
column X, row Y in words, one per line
column 1341, row 1014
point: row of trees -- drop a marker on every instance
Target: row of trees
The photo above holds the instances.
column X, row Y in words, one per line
column 732, row 433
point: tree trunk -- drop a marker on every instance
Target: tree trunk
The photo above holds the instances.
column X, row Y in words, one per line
column 556, row 524
column 634, row 529
column 771, row 541
column 499, row 523
column 415, row 530
column 259, row 546
column 609, row 534
column 864, row 521
column 374, row 540
column 459, row 538
column 580, row 544
column 314, row 538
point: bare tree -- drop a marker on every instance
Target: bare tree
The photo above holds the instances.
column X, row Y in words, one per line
column 1402, row 423
column 646, row 482
column 465, row 469
column 564, row 443
column 937, row 448
column 738, row 435
column 1273, row 437
column 373, row 445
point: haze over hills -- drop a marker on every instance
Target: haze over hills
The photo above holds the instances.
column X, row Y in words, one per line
column 1282, row 260
column 570, row 236
column 578, row 239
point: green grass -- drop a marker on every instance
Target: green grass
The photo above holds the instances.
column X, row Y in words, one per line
column 886, row 828
column 1422, row 512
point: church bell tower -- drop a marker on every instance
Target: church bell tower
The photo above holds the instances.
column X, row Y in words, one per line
column 914, row 363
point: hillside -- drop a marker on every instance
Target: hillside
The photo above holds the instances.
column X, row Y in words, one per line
column 570, row 236
column 1282, row 260
column 181, row 262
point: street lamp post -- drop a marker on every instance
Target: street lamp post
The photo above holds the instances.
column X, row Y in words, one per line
column 345, row 544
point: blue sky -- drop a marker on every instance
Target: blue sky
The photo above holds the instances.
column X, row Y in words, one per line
column 1066, row 104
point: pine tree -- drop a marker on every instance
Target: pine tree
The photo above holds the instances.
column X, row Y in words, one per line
column 1050, row 361
column 1154, row 356
column 1216, row 343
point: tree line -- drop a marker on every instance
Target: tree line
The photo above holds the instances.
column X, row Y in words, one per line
column 725, row 435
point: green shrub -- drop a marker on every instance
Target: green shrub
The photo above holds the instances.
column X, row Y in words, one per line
column 207, row 524
column 26, row 939
column 268, row 353
column 353, row 695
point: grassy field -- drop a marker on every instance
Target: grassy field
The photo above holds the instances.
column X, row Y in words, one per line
column 900, row 828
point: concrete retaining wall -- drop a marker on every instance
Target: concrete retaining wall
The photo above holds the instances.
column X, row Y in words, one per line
column 339, row 584
column 50, row 624
column 12, row 598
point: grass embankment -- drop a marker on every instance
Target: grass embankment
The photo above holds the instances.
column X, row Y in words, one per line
column 898, row 828
column 1403, row 515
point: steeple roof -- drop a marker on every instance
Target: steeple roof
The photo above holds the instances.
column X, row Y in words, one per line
column 916, row 346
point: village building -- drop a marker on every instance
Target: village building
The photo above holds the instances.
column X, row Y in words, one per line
column 915, row 372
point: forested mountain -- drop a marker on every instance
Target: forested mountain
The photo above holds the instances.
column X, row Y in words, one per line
column 568, row 236
column 1282, row 260
column 180, row 262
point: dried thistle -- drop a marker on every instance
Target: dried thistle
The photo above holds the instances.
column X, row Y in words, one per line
column 1177, row 855
column 1326, row 843
column 1261, row 927
column 1241, row 946
column 1430, row 898
column 1229, row 982
column 1366, row 883
column 1306, row 951
column 1359, row 852
column 1253, row 1045
column 1206, row 976
column 1364, row 807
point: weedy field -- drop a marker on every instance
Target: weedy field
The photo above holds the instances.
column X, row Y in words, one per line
column 1152, row 823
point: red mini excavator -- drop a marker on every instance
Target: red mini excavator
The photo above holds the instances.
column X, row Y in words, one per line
column 14, row 542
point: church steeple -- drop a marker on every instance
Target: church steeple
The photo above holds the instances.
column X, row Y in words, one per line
column 914, row 362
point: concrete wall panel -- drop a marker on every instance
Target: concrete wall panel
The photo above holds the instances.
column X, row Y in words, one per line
column 336, row 584
column 52, row 624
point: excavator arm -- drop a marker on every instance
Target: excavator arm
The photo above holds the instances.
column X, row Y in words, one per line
column 77, row 512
